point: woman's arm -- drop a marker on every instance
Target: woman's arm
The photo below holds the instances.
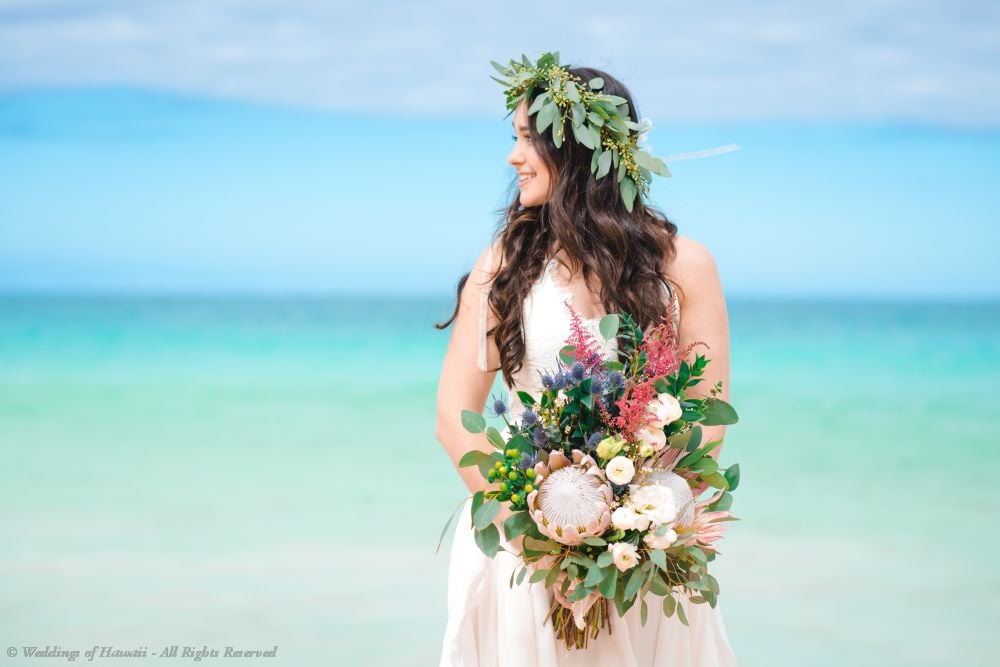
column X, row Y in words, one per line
column 462, row 386
column 704, row 317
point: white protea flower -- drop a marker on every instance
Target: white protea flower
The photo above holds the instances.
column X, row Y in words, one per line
column 573, row 500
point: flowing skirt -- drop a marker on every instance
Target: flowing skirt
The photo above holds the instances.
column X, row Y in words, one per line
column 491, row 624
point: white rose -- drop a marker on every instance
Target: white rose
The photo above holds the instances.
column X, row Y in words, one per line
column 626, row 518
column 660, row 541
column 666, row 408
column 656, row 502
column 620, row 470
column 653, row 436
column 625, row 555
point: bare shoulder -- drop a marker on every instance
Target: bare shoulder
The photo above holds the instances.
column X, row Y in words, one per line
column 693, row 267
column 489, row 259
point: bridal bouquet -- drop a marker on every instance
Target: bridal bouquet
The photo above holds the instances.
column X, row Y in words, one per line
column 604, row 474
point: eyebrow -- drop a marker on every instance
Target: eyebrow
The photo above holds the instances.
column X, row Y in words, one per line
column 522, row 128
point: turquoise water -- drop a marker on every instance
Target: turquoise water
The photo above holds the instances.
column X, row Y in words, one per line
column 260, row 472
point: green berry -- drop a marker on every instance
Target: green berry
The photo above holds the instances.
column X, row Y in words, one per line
column 503, row 470
column 528, row 488
column 511, row 453
column 530, row 472
column 513, row 475
column 515, row 498
column 503, row 486
column 498, row 465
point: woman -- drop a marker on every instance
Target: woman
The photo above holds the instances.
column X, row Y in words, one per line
column 567, row 241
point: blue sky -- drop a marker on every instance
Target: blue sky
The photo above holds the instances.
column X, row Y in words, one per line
column 312, row 147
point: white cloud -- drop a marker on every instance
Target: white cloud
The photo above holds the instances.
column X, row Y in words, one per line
column 916, row 60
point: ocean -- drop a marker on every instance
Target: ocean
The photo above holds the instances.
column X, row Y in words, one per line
column 261, row 472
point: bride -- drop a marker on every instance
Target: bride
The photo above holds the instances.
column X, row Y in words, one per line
column 567, row 242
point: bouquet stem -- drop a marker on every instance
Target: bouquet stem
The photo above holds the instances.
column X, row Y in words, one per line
column 565, row 628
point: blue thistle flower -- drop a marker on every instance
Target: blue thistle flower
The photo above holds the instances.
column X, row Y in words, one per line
column 547, row 381
column 597, row 386
column 528, row 460
column 529, row 418
column 578, row 370
column 499, row 407
column 615, row 380
column 595, row 438
column 539, row 438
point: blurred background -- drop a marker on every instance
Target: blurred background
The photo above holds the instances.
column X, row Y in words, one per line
column 226, row 229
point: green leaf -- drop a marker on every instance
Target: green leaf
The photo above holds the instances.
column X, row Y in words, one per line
column 537, row 104
column 724, row 502
column 609, row 325
column 628, row 192
column 594, row 541
column 609, row 583
column 520, row 575
column 644, row 612
column 500, row 68
column 681, row 616
column 517, row 524
column 572, row 93
column 526, row 398
column 538, row 575
column 716, row 480
column 488, row 540
column 733, row 476
column 494, row 438
column 603, row 164
column 595, row 575
column 550, row 578
column 605, row 559
column 477, row 502
column 546, row 117
column 595, row 84
column 472, row 458
column 473, row 421
column 583, row 136
column 484, row 515
column 659, row 557
column 635, row 580
column 448, row 523
column 669, row 605
column 718, row 412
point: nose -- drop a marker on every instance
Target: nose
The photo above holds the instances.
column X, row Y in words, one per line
column 515, row 157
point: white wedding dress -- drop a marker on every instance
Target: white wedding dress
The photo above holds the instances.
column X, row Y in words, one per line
column 490, row 623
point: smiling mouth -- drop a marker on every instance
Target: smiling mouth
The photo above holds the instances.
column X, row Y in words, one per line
column 524, row 179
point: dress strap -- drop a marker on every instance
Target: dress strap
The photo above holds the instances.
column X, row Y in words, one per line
column 484, row 291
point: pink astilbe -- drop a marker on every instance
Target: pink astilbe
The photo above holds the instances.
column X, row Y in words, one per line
column 587, row 349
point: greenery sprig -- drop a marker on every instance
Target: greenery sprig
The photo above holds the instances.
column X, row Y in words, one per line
column 599, row 120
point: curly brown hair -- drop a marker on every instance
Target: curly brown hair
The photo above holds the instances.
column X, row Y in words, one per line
column 587, row 219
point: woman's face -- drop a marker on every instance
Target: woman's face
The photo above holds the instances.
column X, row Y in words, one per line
column 535, row 179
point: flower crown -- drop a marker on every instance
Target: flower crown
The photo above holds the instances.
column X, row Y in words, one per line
column 599, row 121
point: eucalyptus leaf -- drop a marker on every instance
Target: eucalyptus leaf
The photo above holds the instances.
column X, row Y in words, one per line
column 473, row 421
column 488, row 540
column 484, row 515
column 718, row 412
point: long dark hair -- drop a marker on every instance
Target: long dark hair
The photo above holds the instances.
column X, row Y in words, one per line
column 587, row 219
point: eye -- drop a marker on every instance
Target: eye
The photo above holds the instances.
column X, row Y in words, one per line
column 513, row 137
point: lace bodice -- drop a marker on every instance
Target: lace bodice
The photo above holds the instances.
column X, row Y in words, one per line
column 547, row 325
